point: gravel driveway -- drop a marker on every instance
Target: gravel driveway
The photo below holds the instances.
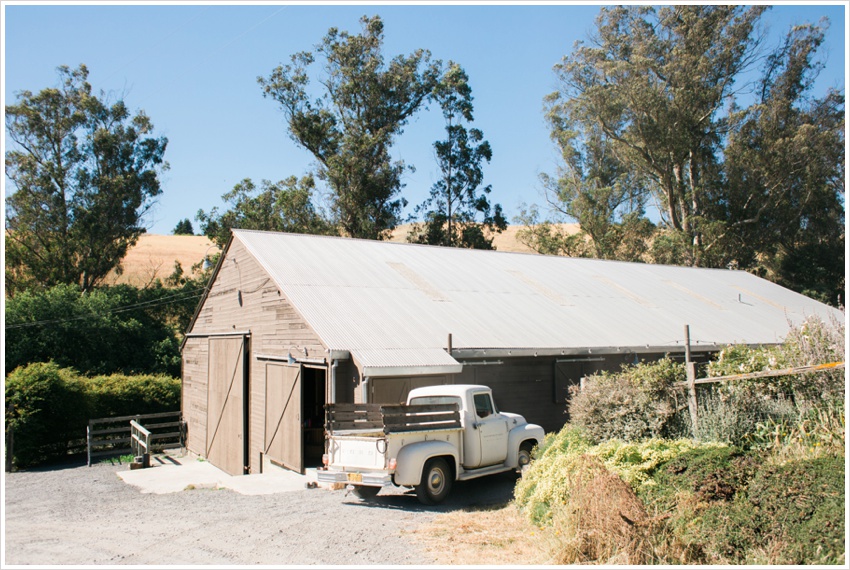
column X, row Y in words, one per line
column 88, row 515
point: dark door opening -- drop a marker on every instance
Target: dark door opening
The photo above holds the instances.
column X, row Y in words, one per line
column 314, row 382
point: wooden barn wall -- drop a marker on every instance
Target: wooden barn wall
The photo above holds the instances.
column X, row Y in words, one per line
column 395, row 390
column 194, row 393
column 520, row 385
column 244, row 297
column 537, row 388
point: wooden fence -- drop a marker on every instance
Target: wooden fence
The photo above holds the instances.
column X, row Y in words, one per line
column 114, row 436
column 692, row 381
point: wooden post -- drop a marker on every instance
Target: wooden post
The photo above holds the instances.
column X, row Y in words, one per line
column 10, row 440
column 690, row 369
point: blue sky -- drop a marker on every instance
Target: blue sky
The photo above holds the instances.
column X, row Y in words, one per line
column 193, row 67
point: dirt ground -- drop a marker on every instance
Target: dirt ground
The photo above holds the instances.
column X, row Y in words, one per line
column 89, row 516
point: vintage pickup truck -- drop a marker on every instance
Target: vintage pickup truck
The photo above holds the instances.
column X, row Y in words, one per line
column 442, row 434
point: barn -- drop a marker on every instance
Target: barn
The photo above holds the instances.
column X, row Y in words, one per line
column 290, row 322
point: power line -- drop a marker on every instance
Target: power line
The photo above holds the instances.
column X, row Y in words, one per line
column 176, row 298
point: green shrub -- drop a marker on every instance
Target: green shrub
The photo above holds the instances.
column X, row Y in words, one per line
column 120, row 395
column 807, row 432
column 710, row 473
column 636, row 403
column 104, row 331
column 790, row 514
column 802, row 503
column 546, row 483
column 636, row 462
column 46, row 407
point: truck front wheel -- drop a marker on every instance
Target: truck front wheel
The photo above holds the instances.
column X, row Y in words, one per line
column 524, row 455
column 436, row 482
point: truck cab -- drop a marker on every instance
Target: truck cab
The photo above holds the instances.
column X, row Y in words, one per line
column 485, row 429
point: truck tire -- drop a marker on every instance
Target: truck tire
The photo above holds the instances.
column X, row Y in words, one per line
column 524, row 456
column 365, row 493
column 436, row 482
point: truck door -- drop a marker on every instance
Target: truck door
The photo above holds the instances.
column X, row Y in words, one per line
column 492, row 430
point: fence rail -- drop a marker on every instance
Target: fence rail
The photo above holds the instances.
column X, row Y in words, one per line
column 770, row 373
column 140, row 438
column 107, row 437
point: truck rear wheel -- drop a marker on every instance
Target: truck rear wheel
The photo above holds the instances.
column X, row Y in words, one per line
column 365, row 493
column 436, row 482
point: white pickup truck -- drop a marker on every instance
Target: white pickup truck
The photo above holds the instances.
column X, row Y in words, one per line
column 443, row 433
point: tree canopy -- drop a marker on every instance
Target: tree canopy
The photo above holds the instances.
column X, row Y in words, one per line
column 451, row 213
column 364, row 104
column 284, row 206
column 85, row 171
column 659, row 106
column 184, row 228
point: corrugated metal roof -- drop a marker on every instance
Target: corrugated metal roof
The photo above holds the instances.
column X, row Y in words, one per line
column 393, row 305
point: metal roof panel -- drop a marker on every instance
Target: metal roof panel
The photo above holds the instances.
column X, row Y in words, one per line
column 386, row 300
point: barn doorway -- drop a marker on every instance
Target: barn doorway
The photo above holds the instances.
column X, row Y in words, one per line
column 314, row 396
column 295, row 415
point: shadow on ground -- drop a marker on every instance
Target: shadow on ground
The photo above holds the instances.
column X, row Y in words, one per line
column 491, row 491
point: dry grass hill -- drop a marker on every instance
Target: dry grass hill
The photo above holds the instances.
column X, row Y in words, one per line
column 154, row 255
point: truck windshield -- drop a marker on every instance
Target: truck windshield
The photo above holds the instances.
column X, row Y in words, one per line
column 436, row 400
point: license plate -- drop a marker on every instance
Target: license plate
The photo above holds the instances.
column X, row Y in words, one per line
column 355, row 477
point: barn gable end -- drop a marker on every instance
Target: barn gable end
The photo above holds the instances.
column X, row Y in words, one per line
column 243, row 310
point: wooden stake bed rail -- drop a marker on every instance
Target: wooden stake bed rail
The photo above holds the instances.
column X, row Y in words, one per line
column 391, row 418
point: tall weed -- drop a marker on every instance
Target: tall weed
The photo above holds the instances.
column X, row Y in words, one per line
column 813, row 342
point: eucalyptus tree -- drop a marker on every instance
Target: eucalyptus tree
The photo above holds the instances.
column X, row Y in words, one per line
column 654, row 83
column 605, row 196
column 85, row 171
column 783, row 200
column 284, row 206
column 746, row 169
column 364, row 103
column 457, row 212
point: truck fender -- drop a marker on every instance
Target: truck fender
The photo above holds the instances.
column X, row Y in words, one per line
column 412, row 457
column 518, row 435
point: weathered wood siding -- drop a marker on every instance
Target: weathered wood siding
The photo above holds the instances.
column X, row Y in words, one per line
column 395, row 390
column 243, row 297
column 537, row 388
column 194, row 393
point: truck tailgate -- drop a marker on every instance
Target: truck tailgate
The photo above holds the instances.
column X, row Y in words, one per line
column 357, row 452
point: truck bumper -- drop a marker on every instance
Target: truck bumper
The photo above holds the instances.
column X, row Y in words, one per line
column 379, row 479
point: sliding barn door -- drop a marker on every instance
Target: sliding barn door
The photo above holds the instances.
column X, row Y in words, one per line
column 225, row 405
column 283, row 437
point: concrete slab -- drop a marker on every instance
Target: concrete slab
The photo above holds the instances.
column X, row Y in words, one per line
column 172, row 474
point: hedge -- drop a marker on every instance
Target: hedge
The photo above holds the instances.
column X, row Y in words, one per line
column 48, row 407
